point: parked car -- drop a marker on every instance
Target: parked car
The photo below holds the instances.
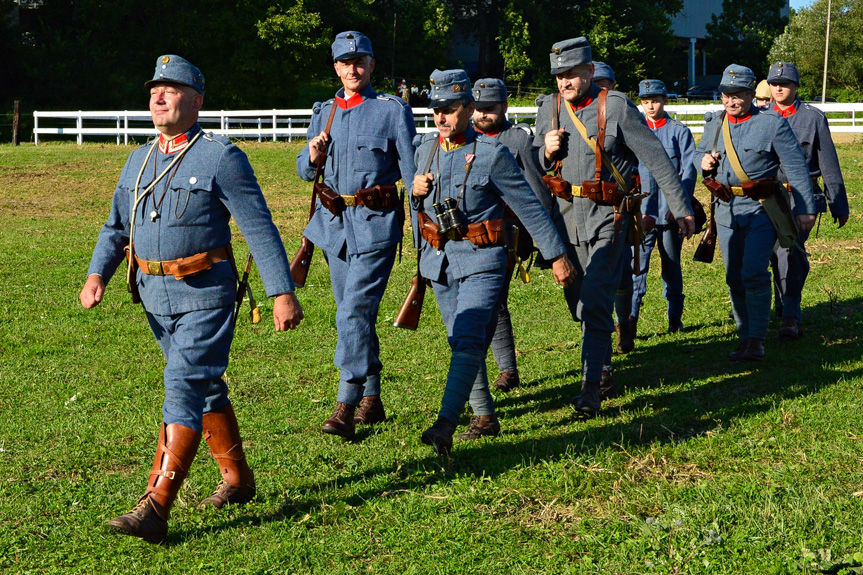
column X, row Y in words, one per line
column 703, row 92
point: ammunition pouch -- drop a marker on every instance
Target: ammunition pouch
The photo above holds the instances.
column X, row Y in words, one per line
column 430, row 231
column 378, row 197
column 481, row 234
column 759, row 189
column 330, row 199
column 558, row 186
column 602, row 192
column 718, row 190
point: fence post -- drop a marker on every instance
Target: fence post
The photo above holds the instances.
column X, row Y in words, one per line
column 275, row 125
column 126, row 126
column 35, row 128
column 80, row 123
column 16, row 121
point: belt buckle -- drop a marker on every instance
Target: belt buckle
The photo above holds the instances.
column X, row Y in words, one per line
column 350, row 201
column 155, row 268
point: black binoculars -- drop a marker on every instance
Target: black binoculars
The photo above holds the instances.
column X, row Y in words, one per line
column 449, row 217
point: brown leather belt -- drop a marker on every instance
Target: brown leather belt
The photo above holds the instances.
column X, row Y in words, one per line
column 374, row 198
column 481, row 234
column 184, row 267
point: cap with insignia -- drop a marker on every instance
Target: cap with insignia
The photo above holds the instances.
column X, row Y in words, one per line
column 171, row 68
column 489, row 91
column 762, row 92
column 783, row 73
column 448, row 86
column 570, row 53
column 601, row 70
column 651, row 88
column 737, row 78
column 351, row 44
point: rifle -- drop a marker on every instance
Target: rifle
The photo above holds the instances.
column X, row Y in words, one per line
column 303, row 258
column 242, row 288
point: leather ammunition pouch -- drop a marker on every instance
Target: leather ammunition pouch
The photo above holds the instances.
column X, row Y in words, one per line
column 558, row 186
column 759, row 189
column 481, row 234
column 602, row 192
column 330, row 199
column 430, row 231
column 184, row 267
column 377, row 197
column 717, row 190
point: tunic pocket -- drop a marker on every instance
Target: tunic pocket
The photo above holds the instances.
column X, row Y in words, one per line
column 191, row 201
column 371, row 153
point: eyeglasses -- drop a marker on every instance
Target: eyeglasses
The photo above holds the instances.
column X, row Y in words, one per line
column 735, row 97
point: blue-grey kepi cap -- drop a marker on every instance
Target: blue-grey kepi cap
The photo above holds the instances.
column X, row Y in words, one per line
column 651, row 88
column 783, row 73
column 447, row 86
column 736, row 78
column 171, row 68
column 350, row 45
column 602, row 70
column 570, row 53
column 489, row 91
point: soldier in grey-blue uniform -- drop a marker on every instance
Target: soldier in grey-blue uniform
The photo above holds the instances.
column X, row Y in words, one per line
column 595, row 243
column 660, row 228
column 603, row 76
column 369, row 144
column 810, row 127
column 489, row 118
column 747, row 226
column 172, row 208
column 463, row 253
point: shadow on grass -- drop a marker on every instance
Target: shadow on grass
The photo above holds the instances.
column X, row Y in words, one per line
column 704, row 390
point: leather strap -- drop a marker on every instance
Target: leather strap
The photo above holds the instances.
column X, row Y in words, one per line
column 555, row 125
column 732, row 153
column 322, row 158
column 183, row 267
column 599, row 150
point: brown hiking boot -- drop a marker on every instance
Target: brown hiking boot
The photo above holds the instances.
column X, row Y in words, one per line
column 341, row 422
column 223, row 436
column 790, row 330
column 607, row 385
column 370, row 411
column 507, row 381
column 439, row 435
column 174, row 455
column 625, row 336
column 480, row 426
column 754, row 350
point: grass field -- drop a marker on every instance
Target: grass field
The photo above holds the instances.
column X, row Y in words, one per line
column 702, row 466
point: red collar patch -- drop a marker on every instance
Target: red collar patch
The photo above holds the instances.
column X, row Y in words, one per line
column 789, row 111
column 490, row 134
column 583, row 103
column 351, row 102
column 167, row 146
column 453, row 143
column 654, row 125
column 740, row 120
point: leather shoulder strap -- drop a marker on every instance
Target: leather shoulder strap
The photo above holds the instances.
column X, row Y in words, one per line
column 732, row 153
column 322, row 158
column 601, row 121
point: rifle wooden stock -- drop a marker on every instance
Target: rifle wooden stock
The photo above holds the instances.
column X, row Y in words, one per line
column 301, row 262
column 409, row 314
column 707, row 247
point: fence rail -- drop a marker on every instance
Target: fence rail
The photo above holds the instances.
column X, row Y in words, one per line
column 290, row 124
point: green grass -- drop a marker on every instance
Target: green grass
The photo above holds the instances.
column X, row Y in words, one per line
column 702, row 466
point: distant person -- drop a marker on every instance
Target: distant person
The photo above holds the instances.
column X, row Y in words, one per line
column 171, row 211
column 763, row 97
column 603, row 76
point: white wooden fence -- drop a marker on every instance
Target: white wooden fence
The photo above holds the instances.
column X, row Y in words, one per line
column 289, row 124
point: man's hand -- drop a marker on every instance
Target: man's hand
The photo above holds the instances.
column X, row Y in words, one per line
column 92, row 292
column 648, row 223
column 422, row 185
column 563, row 270
column 287, row 312
column 687, row 226
column 318, row 146
column 805, row 222
column 709, row 162
column 554, row 141
column 840, row 220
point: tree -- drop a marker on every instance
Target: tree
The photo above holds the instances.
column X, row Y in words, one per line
column 744, row 32
column 514, row 40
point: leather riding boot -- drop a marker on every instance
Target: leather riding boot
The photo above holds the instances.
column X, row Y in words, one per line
column 675, row 324
column 480, row 426
column 507, row 381
column 370, row 411
column 790, row 329
column 607, row 385
column 341, row 422
column 223, row 436
column 589, row 401
column 625, row 338
column 754, row 350
column 633, row 328
column 149, row 519
column 439, row 435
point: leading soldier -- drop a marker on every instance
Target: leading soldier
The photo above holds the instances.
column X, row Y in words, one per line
column 171, row 212
column 367, row 150
column 594, row 218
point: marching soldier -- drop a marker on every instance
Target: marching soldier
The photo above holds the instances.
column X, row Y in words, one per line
column 740, row 155
column 603, row 76
column 595, row 215
column 489, row 118
column 659, row 224
column 809, row 124
column 171, row 211
column 463, row 179
column 367, row 150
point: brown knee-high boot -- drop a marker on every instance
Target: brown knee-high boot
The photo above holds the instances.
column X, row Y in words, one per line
column 149, row 519
column 223, row 436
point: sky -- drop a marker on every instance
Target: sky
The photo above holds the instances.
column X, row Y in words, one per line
column 800, row 3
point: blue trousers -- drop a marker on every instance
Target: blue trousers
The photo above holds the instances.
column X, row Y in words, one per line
column 358, row 283
column 502, row 337
column 196, row 346
column 669, row 242
column 466, row 307
column 790, row 270
column 746, row 251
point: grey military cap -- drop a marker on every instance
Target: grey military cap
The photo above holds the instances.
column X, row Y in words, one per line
column 171, row 68
column 602, row 70
column 351, row 44
column 489, row 91
column 570, row 53
column 651, row 88
column 783, row 73
column 736, row 78
column 448, row 86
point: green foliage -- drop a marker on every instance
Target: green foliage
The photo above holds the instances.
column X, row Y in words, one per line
column 295, row 31
column 743, row 34
column 514, row 40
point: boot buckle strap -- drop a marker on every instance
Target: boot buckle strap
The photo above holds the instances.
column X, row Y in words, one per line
column 166, row 474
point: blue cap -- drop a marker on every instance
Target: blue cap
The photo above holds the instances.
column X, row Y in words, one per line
column 570, row 53
column 736, row 78
column 489, row 91
column 351, row 44
column 171, row 68
column 602, row 70
column 448, row 86
column 783, row 73
column 651, row 88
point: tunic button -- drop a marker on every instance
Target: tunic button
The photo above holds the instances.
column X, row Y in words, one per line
column 438, row 252
column 193, row 180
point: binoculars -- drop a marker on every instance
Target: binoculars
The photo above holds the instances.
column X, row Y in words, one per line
column 449, row 217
